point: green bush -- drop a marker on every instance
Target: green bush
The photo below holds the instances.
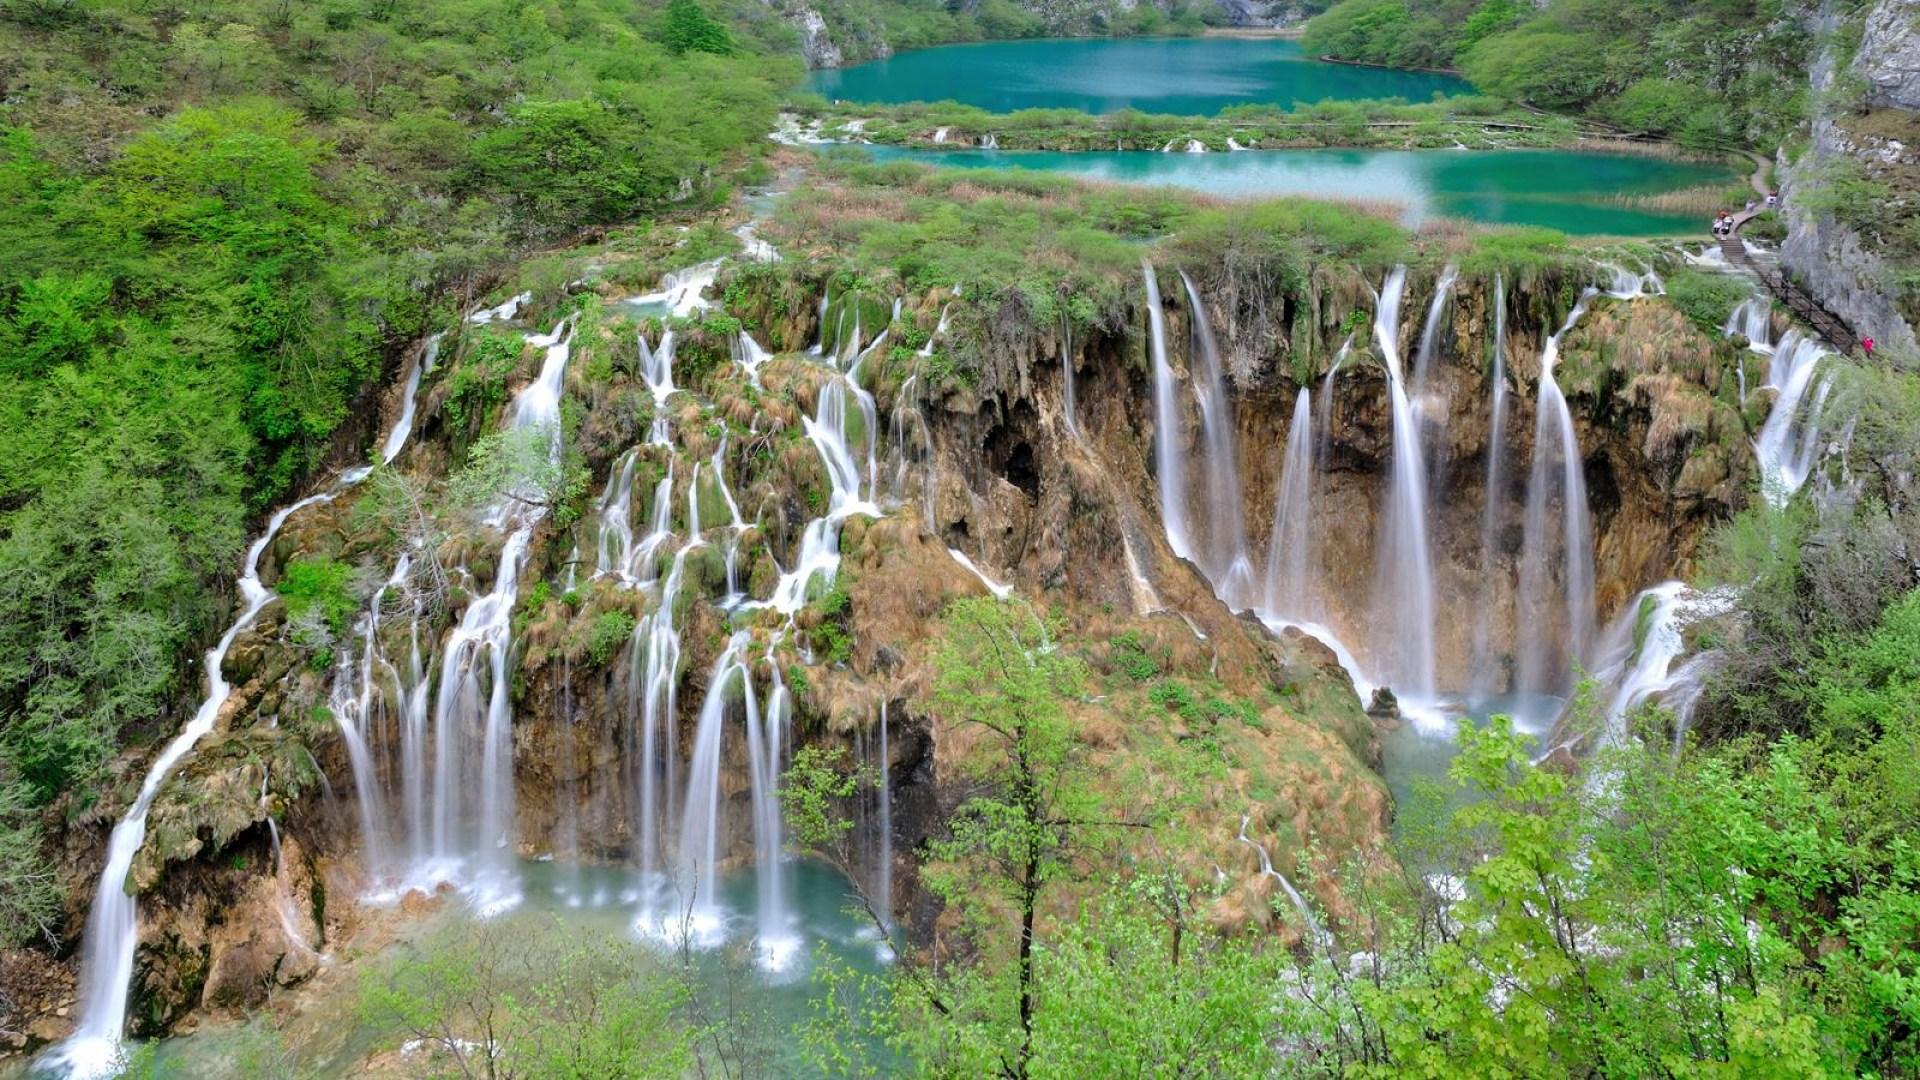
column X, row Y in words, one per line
column 318, row 588
column 1706, row 299
column 609, row 633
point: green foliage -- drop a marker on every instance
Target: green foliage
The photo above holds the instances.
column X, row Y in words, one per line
column 318, row 588
column 30, row 888
column 1128, row 653
column 811, row 794
column 494, row 1000
column 831, row 632
column 690, row 29
column 478, row 383
column 518, row 466
column 607, row 635
column 1710, row 77
column 1706, row 299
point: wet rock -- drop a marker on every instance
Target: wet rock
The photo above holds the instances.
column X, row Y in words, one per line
column 1384, row 705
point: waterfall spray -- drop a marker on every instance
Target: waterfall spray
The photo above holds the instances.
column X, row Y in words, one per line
column 1403, row 594
column 1542, row 669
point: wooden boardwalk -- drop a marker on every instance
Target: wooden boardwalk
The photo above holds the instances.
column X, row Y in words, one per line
column 1804, row 307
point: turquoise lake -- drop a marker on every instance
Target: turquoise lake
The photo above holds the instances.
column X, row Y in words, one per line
column 1579, row 193
column 1178, row 76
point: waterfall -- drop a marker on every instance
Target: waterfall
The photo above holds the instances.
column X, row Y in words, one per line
column 656, row 370
column 1169, row 458
column 1403, row 595
column 1485, row 664
column 776, row 944
column 701, row 826
column 1789, row 440
column 1066, row 380
column 654, row 672
column 410, row 400
column 1753, row 320
column 1314, row 933
column 1429, row 339
column 883, row 877
column 94, row 1048
column 1293, row 562
column 615, row 552
column 1229, row 566
column 1542, row 669
column 819, row 553
column 750, row 357
column 1634, row 658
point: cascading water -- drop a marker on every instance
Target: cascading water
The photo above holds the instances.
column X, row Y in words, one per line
column 1229, row 565
column 1066, row 381
column 883, row 871
column 1546, row 660
column 1293, row 562
column 1314, row 932
column 701, row 827
column 1484, row 663
column 1169, row 456
column 851, row 490
column 106, row 973
column 1403, row 593
column 1753, row 320
column 1789, row 440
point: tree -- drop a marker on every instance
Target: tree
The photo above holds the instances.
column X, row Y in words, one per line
column 690, row 29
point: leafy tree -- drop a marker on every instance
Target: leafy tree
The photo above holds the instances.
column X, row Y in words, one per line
column 690, row 29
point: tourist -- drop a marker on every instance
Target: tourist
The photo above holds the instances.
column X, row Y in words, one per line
column 1749, row 206
column 1773, row 199
column 1866, row 346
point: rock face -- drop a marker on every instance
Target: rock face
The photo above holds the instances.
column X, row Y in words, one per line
column 1836, row 264
column 817, row 45
column 1889, row 56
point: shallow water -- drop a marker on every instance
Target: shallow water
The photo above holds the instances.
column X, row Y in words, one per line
column 1178, row 76
column 1558, row 189
column 325, row 1038
column 1414, row 757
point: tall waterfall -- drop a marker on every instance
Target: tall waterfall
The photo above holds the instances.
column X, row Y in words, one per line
column 1293, row 562
column 1229, row 565
column 695, row 896
column 1403, row 592
column 1546, row 659
column 1485, row 666
column 1169, row 451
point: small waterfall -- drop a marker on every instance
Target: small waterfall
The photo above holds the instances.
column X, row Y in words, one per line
column 656, row 370
column 939, row 136
column 1753, row 320
column 1293, row 561
column 615, row 553
column 749, row 357
column 939, row 329
column 1403, row 596
column 989, row 142
column 410, row 400
column 1169, row 457
column 1195, row 146
column 1229, row 566
column 1430, row 339
column 1543, row 669
column 1634, row 658
column 999, row 591
column 1066, row 380
column 1789, row 440
column 1233, row 144
column 1314, row 933
column 1485, row 664
column 827, row 429
column 683, row 292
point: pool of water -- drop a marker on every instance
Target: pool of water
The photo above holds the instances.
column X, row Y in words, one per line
column 1178, row 76
column 325, row 1036
column 1414, row 756
column 1578, row 193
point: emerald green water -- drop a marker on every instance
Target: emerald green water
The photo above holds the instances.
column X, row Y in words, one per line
column 1179, row 76
column 1576, row 193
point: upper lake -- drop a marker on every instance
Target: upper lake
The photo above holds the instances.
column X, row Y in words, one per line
column 1177, row 76
column 1575, row 192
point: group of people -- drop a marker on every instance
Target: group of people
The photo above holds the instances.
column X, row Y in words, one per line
column 1724, row 224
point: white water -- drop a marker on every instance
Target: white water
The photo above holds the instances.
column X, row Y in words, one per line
column 819, row 555
column 999, row 591
column 1634, row 672
column 1485, row 665
column 1228, row 563
column 1403, row 593
column 1546, row 658
column 682, row 292
column 883, row 877
column 750, row 356
column 1314, row 932
column 1066, row 381
column 410, row 400
column 1789, row 440
column 1169, row 458
column 1753, row 320
column 701, row 828
column 1293, row 563
column 94, row 1049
